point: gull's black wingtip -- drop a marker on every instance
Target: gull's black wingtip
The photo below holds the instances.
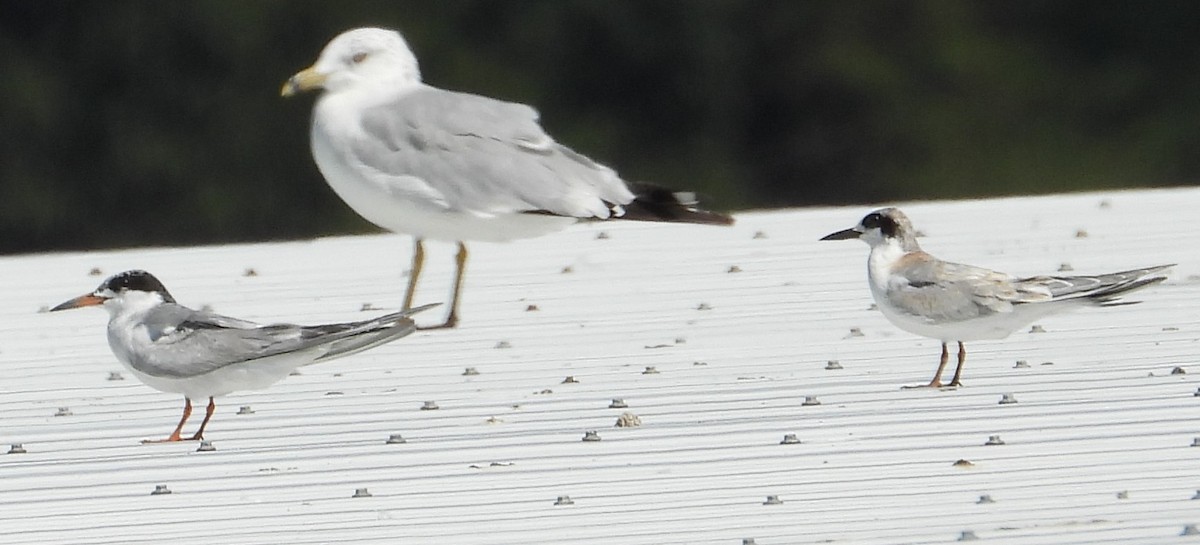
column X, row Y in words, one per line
column 656, row 203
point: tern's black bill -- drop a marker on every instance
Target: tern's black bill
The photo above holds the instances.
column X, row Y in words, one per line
column 842, row 235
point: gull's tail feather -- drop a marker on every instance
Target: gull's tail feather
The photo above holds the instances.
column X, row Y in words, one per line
column 657, row 203
column 1106, row 289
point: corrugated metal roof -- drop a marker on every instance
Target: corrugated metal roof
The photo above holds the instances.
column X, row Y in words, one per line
column 1098, row 448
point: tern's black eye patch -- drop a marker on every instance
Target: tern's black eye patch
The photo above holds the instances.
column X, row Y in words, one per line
column 872, row 220
column 886, row 225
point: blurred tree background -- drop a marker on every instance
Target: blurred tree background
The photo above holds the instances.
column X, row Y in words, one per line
column 139, row 122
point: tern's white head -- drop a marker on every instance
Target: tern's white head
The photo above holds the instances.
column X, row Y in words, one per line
column 363, row 58
column 886, row 226
column 130, row 291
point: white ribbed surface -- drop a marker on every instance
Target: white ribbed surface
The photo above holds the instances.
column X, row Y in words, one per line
column 874, row 465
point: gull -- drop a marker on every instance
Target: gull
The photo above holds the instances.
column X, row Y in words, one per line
column 173, row 348
column 951, row 302
column 451, row 166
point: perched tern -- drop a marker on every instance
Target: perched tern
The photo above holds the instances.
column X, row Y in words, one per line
column 950, row 302
column 443, row 165
column 172, row 348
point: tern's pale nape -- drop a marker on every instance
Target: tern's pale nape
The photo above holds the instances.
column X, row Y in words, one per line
column 950, row 302
column 443, row 165
column 172, row 348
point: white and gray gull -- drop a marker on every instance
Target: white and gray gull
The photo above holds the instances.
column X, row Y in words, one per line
column 173, row 348
column 950, row 302
column 444, row 165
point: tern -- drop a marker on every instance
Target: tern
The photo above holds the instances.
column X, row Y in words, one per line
column 451, row 166
column 951, row 302
column 173, row 348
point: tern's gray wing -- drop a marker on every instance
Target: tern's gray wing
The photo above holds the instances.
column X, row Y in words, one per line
column 480, row 155
column 939, row 291
column 189, row 343
column 1102, row 289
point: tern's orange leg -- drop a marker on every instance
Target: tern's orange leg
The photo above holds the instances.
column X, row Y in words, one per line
column 187, row 411
column 937, row 377
column 962, row 358
column 212, row 406
column 460, row 259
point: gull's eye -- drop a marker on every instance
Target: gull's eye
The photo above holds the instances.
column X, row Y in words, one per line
column 359, row 58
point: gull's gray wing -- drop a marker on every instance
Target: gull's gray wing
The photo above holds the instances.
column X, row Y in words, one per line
column 187, row 342
column 480, row 155
column 938, row 291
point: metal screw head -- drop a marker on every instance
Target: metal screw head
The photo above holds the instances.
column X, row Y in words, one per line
column 160, row 490
column 1190, row 530
column 1197, row 394
column 245, row 409
column 564, row 500
column 1178, row 371
column 1007, row 399
column 1035, row 328
column 855, row 332
column 591, row 436
column 734, row 269
column 650, row 370
column 749, row 541
column 1021, row 364
column 114, row 375
column 986, row 498
column 63, row 411
column 760, row 235
column 361, row 493
column 1196, row 442
column 429, row 406
column 503, row 345
column 532, row 308
column 570, row 380
column 617, row 403
column 628, row 420
column 470, row 372
column 16, row 448
column 704, row 306
column 206, row 446
column 1123, row 495
column 602, row 235
column 1197, row 496
column 790, row 439
column 994, row 440
column 810, row 401
column 963, row 463
column 968, row 535
column 396, row 439
column 832, row 365
column 1065, row 267
column 773, row 500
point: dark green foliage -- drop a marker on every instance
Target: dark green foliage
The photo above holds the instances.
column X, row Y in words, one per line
column 132, row 123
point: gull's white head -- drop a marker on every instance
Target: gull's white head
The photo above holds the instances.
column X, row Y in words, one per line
column 359, row 58
column 882, row 227
column 130, row 291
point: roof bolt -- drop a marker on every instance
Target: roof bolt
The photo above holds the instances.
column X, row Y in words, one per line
column 986, row 498
column 503, row 344
column 749, row 541
column 63, row 411
column 1082, row 233
column 773, row 500
column 1021, row 364
column 832, row 365
column 617, row 403
column 570, row 380
column 968, row 535
column 206, row 446
column 245, row 409
column 760, row 234
column 567, row 270
column 429, row 406
column 963, row 463
column 160, row 490
column 1007, row 399
column 1190, row 530
column 1197, row 394
column 994, row 440
column 564, row 500
column 1123, row 495
column 396, row 439
column 873, row 306
column 704, row 306
column 95, row 271
column 532, row 308
column 1178, row 371
column 1065, row 267
column 470, row 372
column 361, row 493
column 601, row 235
column 1035, row 328
column 1196, row 442
column 591, row 436
column 650, row 370
column 734, row 269
column 790, row 439
column 18, row 448
column 810, row 401
column 855, row 332
column 1196, row 497
column 115, row 375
